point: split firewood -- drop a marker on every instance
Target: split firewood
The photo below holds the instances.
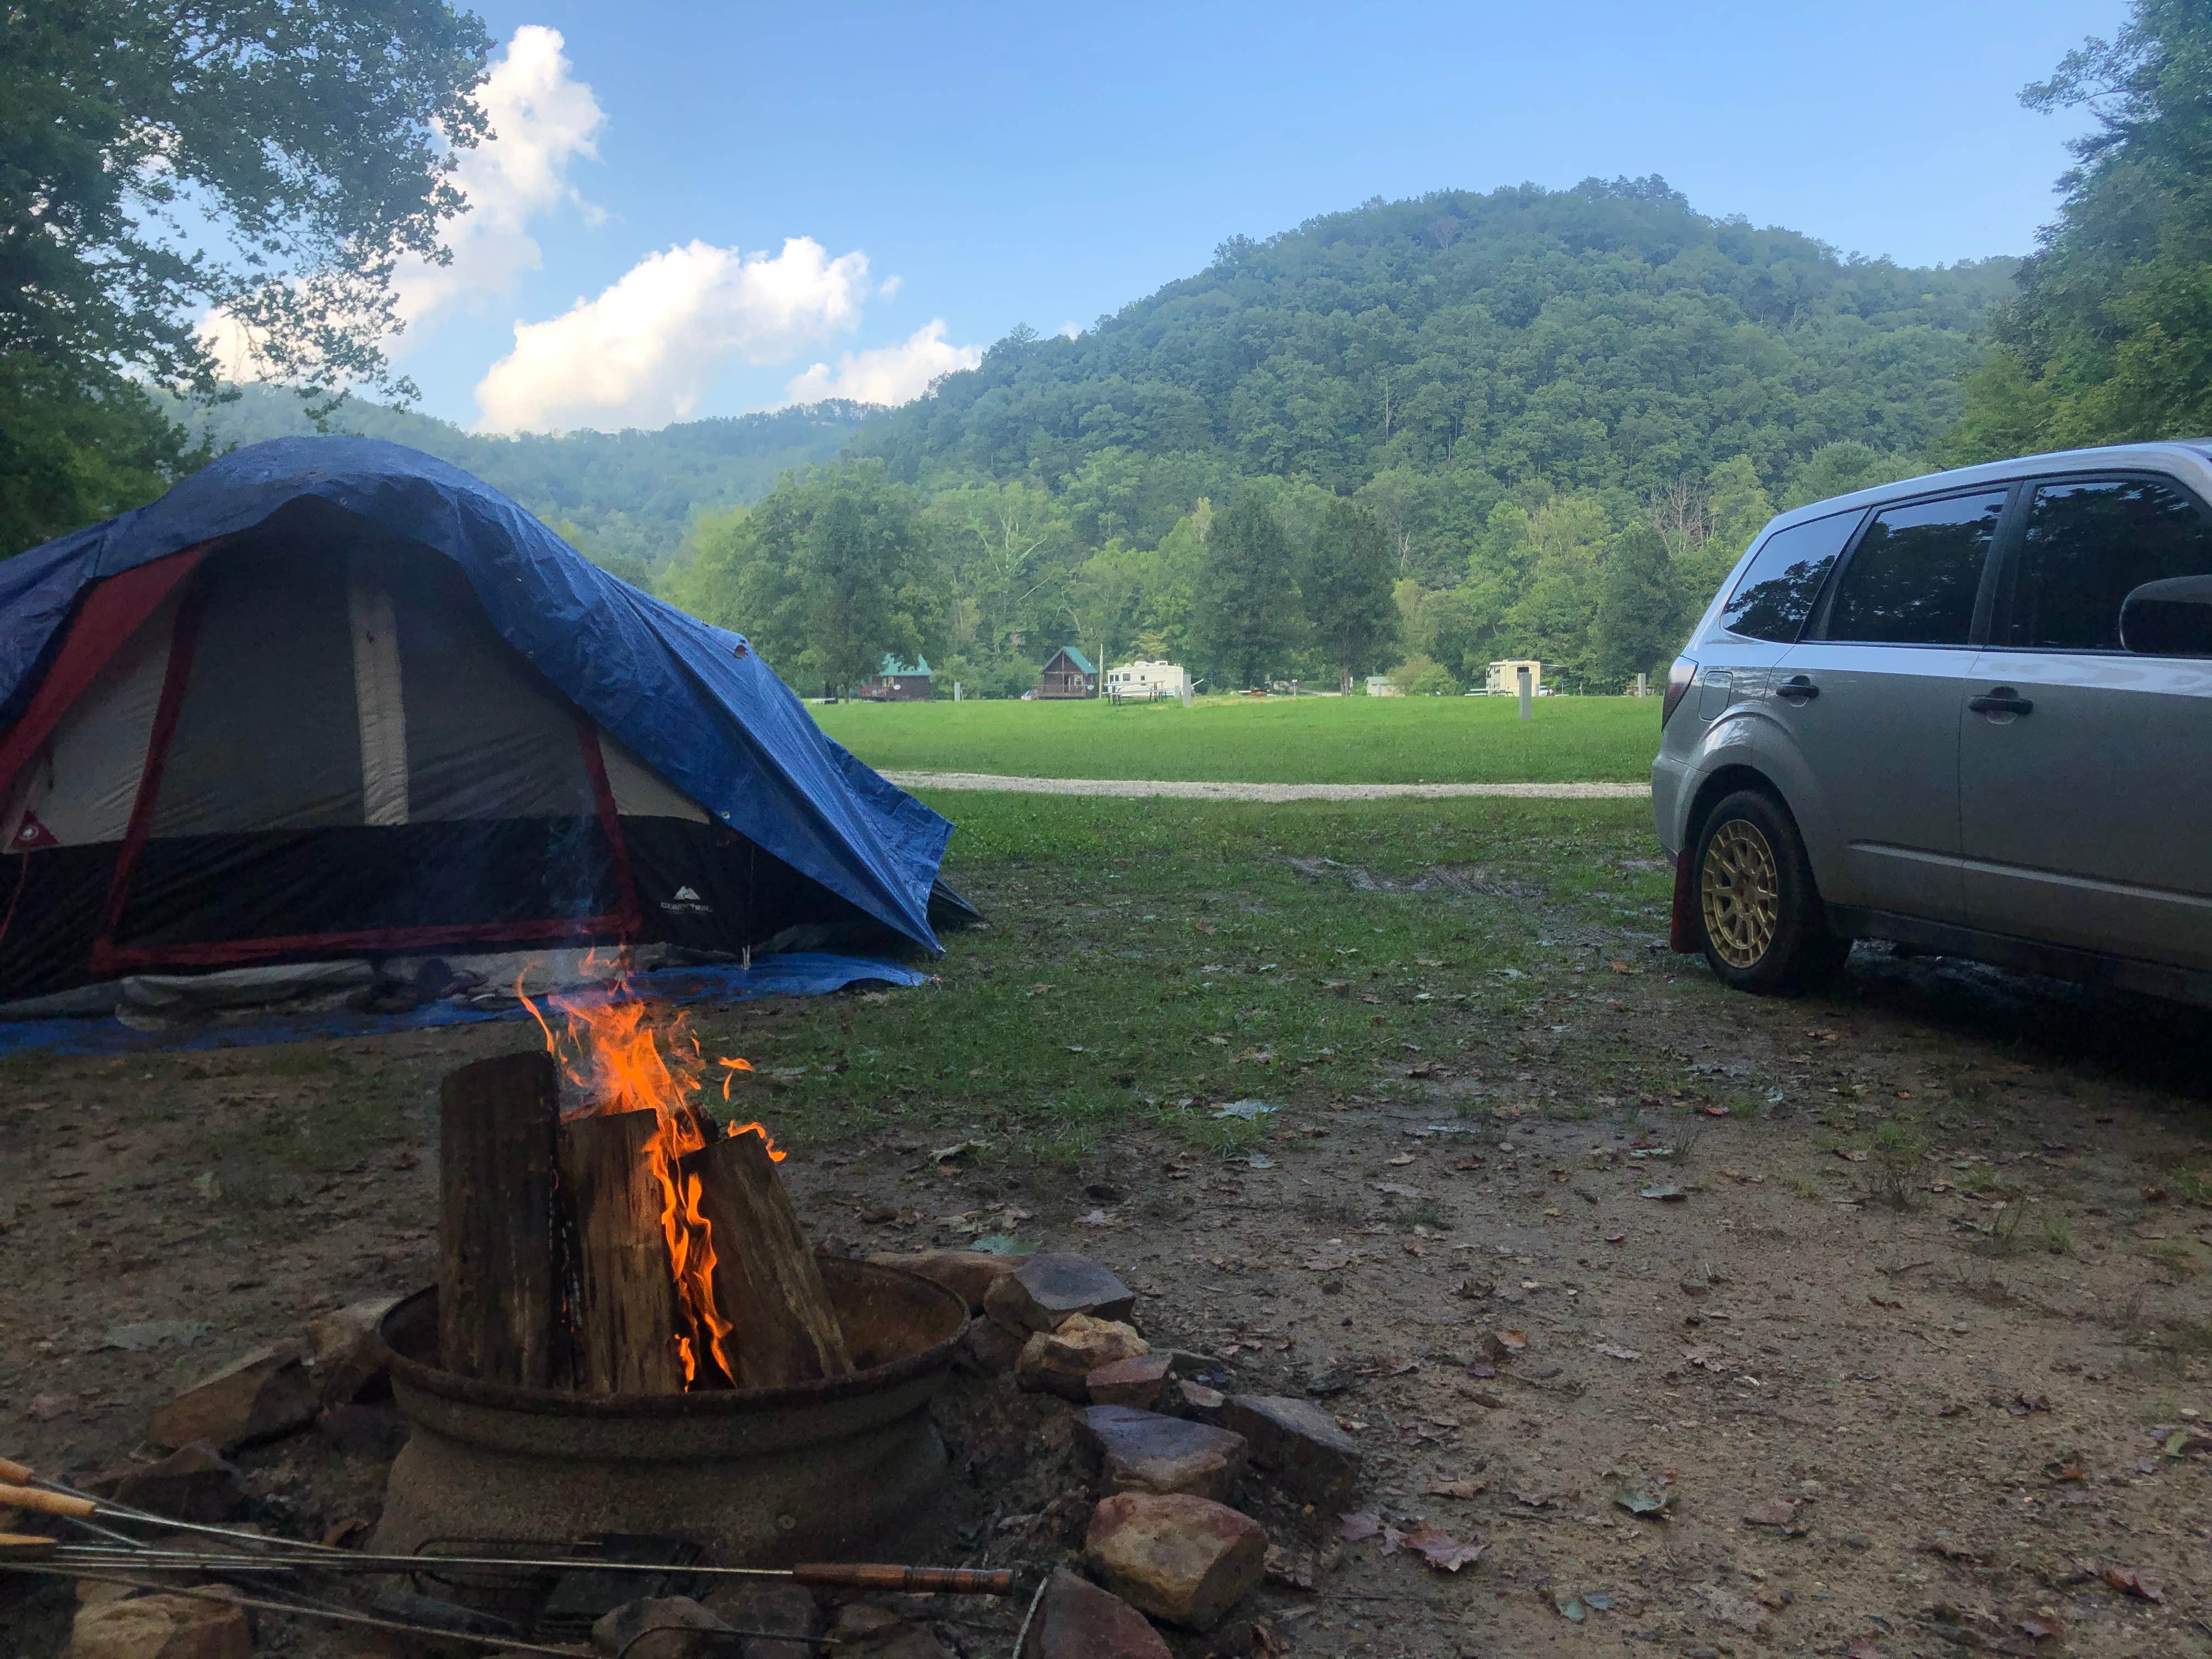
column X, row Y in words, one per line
column 767, row 1281
column 499, row 1255
column 625, row 1316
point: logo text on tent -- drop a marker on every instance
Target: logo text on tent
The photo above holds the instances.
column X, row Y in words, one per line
column 687, row 902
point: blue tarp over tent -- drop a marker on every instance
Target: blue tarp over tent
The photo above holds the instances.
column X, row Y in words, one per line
column 693, row 701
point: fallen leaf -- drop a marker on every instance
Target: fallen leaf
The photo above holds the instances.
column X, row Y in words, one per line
column 1653, row 1497
column 1300, row 1571
column 958, row 1149
column 1780, row 1512
column 1442, row 1551
column 1401, row 1160
column 2133, row 1581
column 1665, row 1194
column 1714, row 1111
column 2039, row 1626
column 1247, row 1109
column 1414, row 1247
column 1354, row 1527
column 1950, row 1548
column 1614, row 1351
column 1393, row 1190
column 44, row 1408
column 1616, row 1238
column 1851, row 1154
column 1096, row 1218
column 1513, row 1339
column 1443, row 1488
column 1572, row 1608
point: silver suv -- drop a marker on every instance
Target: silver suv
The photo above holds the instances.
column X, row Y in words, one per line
column 1971, row 714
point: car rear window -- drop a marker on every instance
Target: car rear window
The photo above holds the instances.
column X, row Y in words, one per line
column 1913, row 577
column 1783, row 578
column 2088, row 543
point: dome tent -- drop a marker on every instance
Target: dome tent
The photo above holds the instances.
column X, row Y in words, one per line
column 332, row 698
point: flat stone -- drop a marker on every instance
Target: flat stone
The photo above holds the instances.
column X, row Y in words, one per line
column 1051, row 1286
column 879, row 1633
column 1196, row 1402
column 193, row 1483
column 256, row 1397
column 1298, row 1443
column 1078, row 1621
column 1185, row 1559
column 786, row 1609
column 678, row 1615
column 1136, row 1382
column 345, row 1362
column 160, row 1626
column 1144, row 1451
column 1058, row 1362
column 969, row 1275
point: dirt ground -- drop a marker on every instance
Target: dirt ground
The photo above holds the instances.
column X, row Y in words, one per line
column 1901, row 1353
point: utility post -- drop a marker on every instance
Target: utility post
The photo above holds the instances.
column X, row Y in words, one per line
column 1520, row 675
column 955, row 690
column 1643, row 686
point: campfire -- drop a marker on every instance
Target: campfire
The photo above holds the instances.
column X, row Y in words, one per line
column 610, row 1237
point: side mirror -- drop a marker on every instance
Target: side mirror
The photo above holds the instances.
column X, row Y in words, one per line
column 2172, row 618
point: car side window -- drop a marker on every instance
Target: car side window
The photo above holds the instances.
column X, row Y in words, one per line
column 2088, row 545
column 1784, row 577
column 1914, row 576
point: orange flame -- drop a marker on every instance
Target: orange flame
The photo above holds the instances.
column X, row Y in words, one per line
column 616, row 1056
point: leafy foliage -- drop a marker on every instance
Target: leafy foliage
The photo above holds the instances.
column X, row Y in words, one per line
column 270, row 158
column 2109, row 337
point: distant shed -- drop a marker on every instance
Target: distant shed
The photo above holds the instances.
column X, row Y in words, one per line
column 1069, row 674
column 899, row 681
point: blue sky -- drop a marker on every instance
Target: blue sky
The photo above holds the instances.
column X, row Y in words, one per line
column 959, row 170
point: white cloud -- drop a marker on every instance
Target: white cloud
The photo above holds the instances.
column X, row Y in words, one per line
column 541, row 118
column 647, row 349
column 892, row 286
column 886, row 375
column 1071, row 329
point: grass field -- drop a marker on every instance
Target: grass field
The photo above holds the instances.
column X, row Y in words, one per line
column 1145, row 958
column 1270, row 740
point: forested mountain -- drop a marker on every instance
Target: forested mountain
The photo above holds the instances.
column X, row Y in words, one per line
column 627, row 498
column 1607, row 334
column 1556, row 416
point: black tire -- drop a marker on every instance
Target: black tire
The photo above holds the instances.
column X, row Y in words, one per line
column 1759, row 915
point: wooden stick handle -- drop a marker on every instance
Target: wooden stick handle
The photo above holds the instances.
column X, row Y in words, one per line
column 51, row 1503
column 21, row 1474
column 914, row 1581
column 16, row 1544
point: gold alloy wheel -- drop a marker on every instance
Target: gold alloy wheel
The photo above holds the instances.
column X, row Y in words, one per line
column 1740, row 894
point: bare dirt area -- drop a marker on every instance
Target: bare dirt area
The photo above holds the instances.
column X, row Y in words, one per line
column 1873, row 1323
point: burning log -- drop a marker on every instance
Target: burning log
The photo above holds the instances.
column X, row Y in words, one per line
column 765, row 1279
column 498, row 1265
column 625, row 1316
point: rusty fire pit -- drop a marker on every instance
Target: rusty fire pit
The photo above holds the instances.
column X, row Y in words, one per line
column 761, row 1476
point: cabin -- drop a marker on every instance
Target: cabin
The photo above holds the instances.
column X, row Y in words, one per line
column 1069, row 674
column 1147, row 681
column 1382, row 685
column 898, row 682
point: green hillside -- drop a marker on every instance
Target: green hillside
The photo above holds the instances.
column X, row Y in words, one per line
column 619, row 496
column 1603, row 335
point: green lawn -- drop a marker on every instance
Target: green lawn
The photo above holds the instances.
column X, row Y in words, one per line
column 1144, row 961
column 1270, row 740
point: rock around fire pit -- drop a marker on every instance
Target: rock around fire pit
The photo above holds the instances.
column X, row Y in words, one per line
column 762, row 1477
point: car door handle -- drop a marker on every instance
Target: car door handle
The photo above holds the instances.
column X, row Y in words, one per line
column 1799, row 688
column 2003, row 701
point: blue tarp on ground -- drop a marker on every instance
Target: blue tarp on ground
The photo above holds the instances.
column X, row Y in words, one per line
column 796, row 972
column 696, row 701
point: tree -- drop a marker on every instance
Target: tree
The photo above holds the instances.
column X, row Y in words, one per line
column 1347, row 587
column 1244, row 617
column 828, row 575
column 1423, row 676
column 2109, row 337
column 1839, row 469
column 272, row 159
column 1636, row 628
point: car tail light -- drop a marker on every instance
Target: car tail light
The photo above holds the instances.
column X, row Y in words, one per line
column 1679, row 679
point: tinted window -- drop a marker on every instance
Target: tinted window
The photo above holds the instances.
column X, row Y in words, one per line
column 1777, row 592
column 1913, row 579
column 2087, row 545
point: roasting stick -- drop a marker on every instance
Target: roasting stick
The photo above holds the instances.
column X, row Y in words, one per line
column 22, row 1474
column 855, row 1575
column 51, row 1497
